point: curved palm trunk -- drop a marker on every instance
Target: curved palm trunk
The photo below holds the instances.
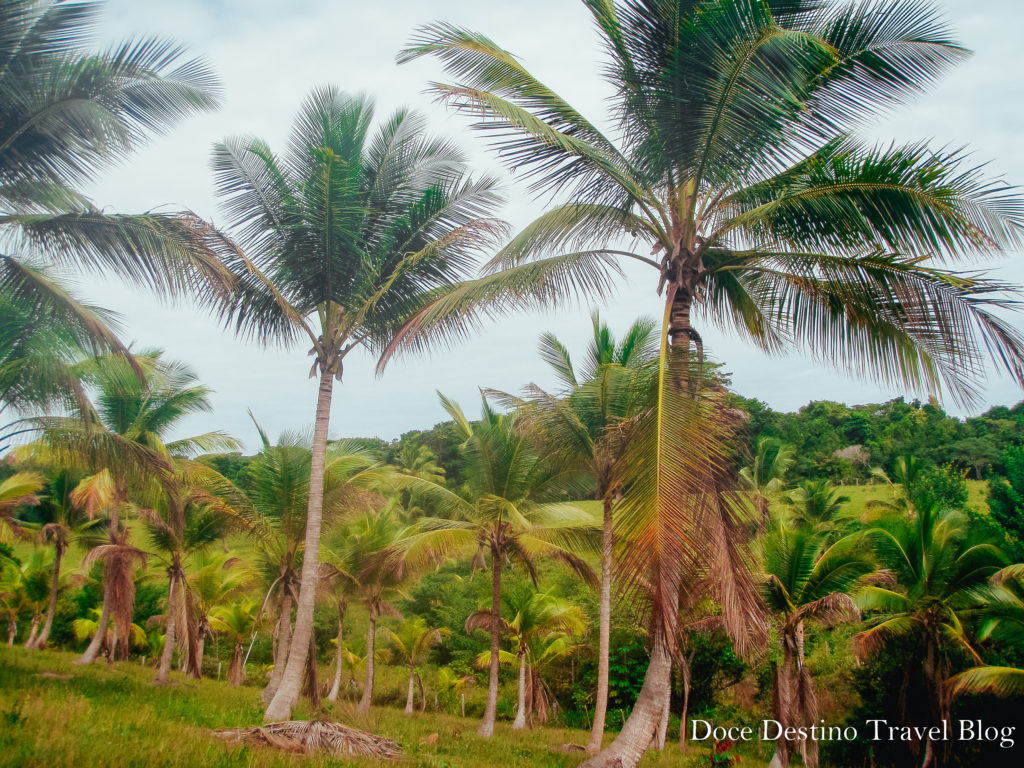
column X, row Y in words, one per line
column 36, row 618
column 164, row 671
column 336, row 687
column 284, row 634
column 645, row 719
column 604, row 633
column 93, row 649
column 371, row 641
column 486, row 728
column 280, row 707
column 51, row 609
column 520, row 721
column 411, row 694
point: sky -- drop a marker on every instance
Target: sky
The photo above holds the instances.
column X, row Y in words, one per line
column 269, row 55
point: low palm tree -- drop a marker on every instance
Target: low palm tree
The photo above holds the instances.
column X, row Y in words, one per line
column 88, row 627
column 18, row 490
column 765, row 476
column 540, row 627
column 514, row 512
column 809, row 578
column 816, row 504
column 943, row 570
column 34, row 588
column 337, row 242
column 447, row 685
column 410, row 646
column 237, row 621
column 212, row 579
column 68, row 521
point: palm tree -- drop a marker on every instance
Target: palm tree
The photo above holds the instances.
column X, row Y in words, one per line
column 338, row 241
column 120, row 437
column 585, row 426
column 409, row 646
column 280, row 494
column 18, row 490
column 515, row 511
column 34, row 587
column 766, row 473
column 67, row 114
column 213, row 579
column 816, row 504
column 540, row 628
column 237, row 621
column 734, row 167
column 447, row 685
column 369, row 553
column 85, row 628
column 942, row 571
column 68, row 521
column 808, row 578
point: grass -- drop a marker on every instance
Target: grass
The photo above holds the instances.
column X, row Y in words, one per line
column 56, row 715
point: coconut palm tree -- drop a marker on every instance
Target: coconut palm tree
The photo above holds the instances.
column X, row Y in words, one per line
column 237, row 621
column 279, row 493
column 735, row 175
column 338, row 241
column 515, row 511
column 447, row 684
column 18, row 490
column 211, row 580
column 540, row 627
column 370, row 554
column 816, row 504
column 68, row 521
column 766, row 473
column 88, row 627
column 409, row 647
column 943, row 572
column 69, row 113
column 13, row 600
column 34, row 587
column 585, row 425
column 809, row 578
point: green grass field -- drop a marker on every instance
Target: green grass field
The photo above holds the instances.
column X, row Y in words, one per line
column 56, row 715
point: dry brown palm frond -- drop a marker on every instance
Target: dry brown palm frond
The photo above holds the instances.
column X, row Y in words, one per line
column 315, row 737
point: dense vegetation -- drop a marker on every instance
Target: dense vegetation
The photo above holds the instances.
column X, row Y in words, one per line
column 637, row 550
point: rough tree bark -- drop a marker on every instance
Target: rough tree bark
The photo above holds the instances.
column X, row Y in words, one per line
column 163, row 673
column 411, row 694
column 280, row 707
column 604, row 632
column 520, row 721
column 371, row 641
column 284, row 634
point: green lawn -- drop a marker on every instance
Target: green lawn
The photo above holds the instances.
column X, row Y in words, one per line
column 106, row 716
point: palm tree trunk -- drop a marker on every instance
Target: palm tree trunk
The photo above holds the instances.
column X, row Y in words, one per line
column 604, row 633
column 36, row 617
column 662, row 735
column 520, row 721
column 235, row 674
column 93, row 649
column 336, row 687
column 782, row 702
column 51, row 609
column 645, row 719
column 486, row 728
column 411, row 693
column 12, row 630
column 684, row 715
column 312, row 687
column 371, row 640
column 280, row 707
column 201, row 648
column 284, row 634
column 164, row 671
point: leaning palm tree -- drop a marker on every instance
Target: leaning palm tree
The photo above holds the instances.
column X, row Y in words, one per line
column 515, row 511
column 67, row 114
column 735, row 174
column 409, row 647
column 338, row 241
column 67, row 521
column 808, row 578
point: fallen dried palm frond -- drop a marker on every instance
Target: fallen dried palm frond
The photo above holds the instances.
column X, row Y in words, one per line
column 315, row 736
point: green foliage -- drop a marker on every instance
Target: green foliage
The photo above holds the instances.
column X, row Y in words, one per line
column 1006, row 497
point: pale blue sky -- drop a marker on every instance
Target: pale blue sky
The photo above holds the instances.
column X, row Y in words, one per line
column 269, row 54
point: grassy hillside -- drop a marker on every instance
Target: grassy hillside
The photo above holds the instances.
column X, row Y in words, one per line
column 56, row 715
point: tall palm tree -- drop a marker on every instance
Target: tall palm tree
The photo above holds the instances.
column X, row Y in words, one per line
column 943, row 572
column 538, row 624
column 69, row 113
column 515, row 511
column 808, row 578
column 68, row 521
column 735, row 175
column 585, row 424
column 338, row 241
column 409, row 646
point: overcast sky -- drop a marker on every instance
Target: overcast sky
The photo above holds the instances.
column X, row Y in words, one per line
column 269, row 54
